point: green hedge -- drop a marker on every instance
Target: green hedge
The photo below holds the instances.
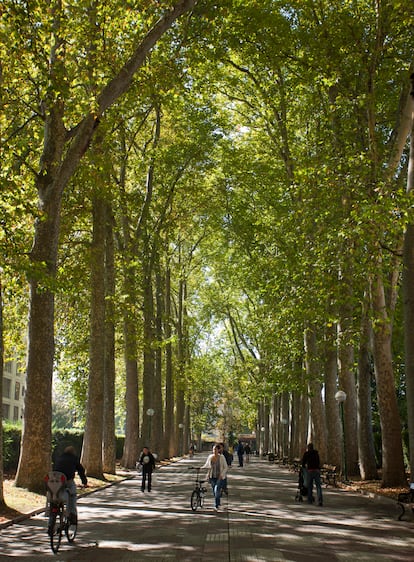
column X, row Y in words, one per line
column 61, row 438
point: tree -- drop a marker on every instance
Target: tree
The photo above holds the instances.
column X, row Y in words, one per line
column 61, row 154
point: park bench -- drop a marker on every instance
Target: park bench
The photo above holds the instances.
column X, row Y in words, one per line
column 406, row 499
column 328, row 474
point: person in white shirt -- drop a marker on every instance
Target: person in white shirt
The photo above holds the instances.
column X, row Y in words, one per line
column 217, row 470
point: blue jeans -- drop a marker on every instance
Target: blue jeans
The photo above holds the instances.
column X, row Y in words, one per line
column 216, row 486
column 314, row 475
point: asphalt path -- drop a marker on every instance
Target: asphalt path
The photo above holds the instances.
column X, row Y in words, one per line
column 259, row 521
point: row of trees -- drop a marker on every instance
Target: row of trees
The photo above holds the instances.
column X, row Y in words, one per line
column 219, row 204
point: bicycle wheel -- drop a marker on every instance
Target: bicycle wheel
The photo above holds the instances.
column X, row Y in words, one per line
column 195, row 500
column 70, row 530
column 55, row 529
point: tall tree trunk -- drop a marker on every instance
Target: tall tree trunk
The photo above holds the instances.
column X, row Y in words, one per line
column 109, row 441
column 149, row 411
column 333, row 422
column 393, row 472
column 408, row 298
column 131, row 443
column 170, row 444
column 347, row 381
column 93, row 438
column 2, row 502
column 181, row 361
column 35, row 452
column 367, row 464
column 158, row 401
column 319, row 432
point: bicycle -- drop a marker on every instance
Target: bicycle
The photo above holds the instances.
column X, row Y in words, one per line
column 59, row 521
column 197, row 495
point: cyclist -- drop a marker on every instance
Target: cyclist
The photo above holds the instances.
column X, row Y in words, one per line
column 69, row 464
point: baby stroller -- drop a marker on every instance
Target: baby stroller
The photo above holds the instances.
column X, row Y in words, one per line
column 302, row 489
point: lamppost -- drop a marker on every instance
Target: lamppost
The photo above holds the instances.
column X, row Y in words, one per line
column 262, row 439
column 180, row 438
column 340, row 397
column 150, row 413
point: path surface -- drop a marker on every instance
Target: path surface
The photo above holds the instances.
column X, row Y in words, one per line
column 260, row 521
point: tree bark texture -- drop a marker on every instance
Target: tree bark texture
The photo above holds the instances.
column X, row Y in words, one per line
column 170, row 444
column 93, row 437
column 2, row 503
column 109, row 441
column 366, row 448
column 333, row 422
column 347, row 383
column 319, row 433
column 393, row 472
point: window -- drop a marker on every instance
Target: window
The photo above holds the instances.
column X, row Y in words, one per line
column 17, row 391
column 16, row 413
column 6, row 387
column 6, row 411
column 8, row 367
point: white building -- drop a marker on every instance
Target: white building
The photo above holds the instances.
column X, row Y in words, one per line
column 13, row 392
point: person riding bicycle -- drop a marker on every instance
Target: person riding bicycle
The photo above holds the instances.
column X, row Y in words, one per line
column 68, row 463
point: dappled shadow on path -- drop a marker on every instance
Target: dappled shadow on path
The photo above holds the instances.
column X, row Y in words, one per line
column 260, row 520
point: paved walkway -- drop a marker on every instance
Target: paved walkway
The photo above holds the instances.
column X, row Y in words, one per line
column 260, row 521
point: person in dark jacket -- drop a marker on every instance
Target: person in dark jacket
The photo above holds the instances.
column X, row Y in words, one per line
column 311, row 462
column 69, row 464
column 147, row 464
column 240, row 452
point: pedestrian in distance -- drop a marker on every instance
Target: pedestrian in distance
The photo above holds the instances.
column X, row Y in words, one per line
column 68, row 463
column 216, row 475
column 247, row 451
column 147, row 465
column 240, row 452
column 312, row 463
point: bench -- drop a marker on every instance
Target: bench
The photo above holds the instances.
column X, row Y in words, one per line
column 328, row 475
column 405, row 499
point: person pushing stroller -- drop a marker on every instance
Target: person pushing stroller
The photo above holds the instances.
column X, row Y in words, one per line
column 311, row 463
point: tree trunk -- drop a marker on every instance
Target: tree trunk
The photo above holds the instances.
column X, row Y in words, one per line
column 333, row 422
column 149, row 355
column 35, row 454
column 158, row 402
column 367, row 464
column 2, row 502
column 170, row 444
column 93, row 438
column 408, row 300
column 131, row 443
column 393, row 472
column 346, row 373
column 319, row 432
column 109, row 440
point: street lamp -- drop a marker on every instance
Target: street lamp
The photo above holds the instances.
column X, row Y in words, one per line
column 262, row 439
column 150, row 413
column 340, row 397
column 180, row 444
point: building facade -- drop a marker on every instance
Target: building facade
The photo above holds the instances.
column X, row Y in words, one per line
column 13, row 392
